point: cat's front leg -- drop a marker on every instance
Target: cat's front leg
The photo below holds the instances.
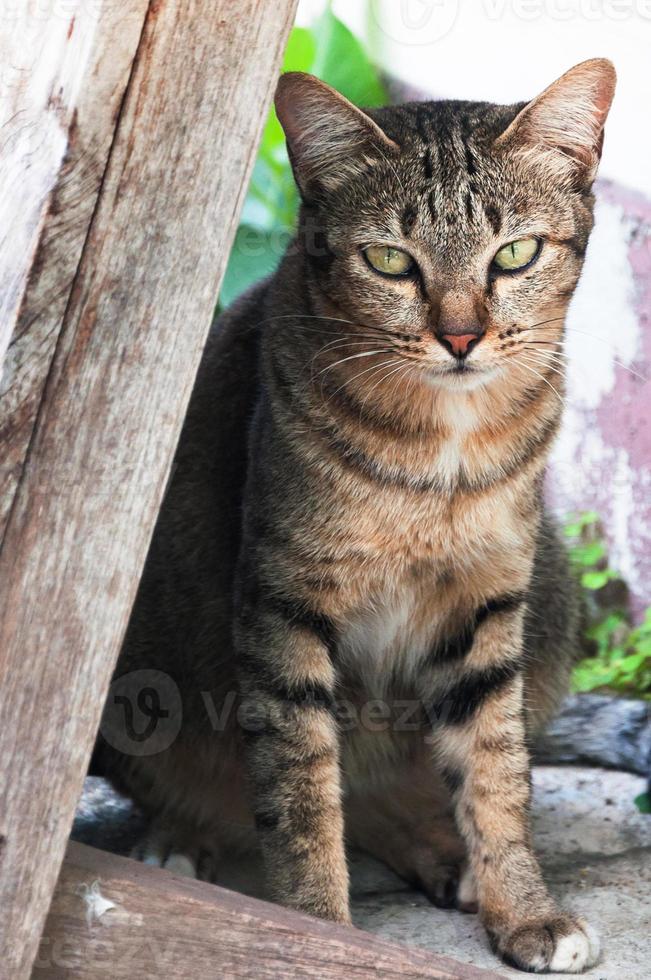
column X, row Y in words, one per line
column 480, row 739
column 292, row 748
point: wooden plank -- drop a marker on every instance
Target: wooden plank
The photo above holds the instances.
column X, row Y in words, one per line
column 165, row 926
column 46, row 50
column 66, row 71
column 41, row 68
column 116, row 394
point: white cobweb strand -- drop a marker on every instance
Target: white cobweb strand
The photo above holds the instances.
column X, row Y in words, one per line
column 96, row 904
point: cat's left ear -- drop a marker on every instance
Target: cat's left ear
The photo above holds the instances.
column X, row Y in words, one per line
column 565, row 124
column 328, row 138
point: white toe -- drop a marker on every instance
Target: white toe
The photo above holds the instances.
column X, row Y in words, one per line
column 150, row 856
column 180, row 864
column 575, row 952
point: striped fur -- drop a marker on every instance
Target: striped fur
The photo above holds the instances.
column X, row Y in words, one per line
column 353, row 566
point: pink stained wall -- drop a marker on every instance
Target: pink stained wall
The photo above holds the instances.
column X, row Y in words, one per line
column 602, row 460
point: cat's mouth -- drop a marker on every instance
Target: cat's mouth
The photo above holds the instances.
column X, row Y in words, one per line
column 462, row 374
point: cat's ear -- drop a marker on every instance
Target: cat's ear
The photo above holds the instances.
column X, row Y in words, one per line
column 329, row 139
column 565, row 124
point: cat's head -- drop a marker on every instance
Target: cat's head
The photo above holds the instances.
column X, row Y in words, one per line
column 460, row 225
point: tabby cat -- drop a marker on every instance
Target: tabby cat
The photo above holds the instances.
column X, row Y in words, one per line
column 354, row 585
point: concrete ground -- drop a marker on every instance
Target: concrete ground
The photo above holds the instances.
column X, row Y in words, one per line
column 595, row 848
column 594, row 845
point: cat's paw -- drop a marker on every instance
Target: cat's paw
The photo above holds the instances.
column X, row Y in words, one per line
column 440, row 885
column 564, row 944
column 162, row 849
column 176, row 862
column 449, row 886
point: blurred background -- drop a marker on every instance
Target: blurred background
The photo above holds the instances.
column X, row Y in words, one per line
column 508, row 50
column 375, row 51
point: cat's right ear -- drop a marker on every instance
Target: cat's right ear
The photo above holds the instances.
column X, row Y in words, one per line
column 564, row 126
column 329, row 140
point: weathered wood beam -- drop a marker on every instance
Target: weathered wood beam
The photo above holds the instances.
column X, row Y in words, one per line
column 65, row 68
column 133, row 333
column 41, row 68
column 164, row 926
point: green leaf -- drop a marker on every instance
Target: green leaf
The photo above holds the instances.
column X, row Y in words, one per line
column 272, row 198
column 342, row 62
column 597, row 580
column 604, row 631
column 632, row 662
column 299, row 56
column 643, row 802
column 255, row 254
column 331, row 52
column 576, row 523
column 590, row 674
column 590, row 553
column 300, row 51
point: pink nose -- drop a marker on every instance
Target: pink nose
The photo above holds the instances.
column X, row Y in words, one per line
column 459, row 344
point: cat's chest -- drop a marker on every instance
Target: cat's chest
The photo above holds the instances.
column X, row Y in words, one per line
column 382, row 644
column 438, row 567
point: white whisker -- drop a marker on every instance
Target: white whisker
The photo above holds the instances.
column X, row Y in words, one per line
column 603, row 340
column 384, row 378
column 374, row 367
column 539, row 375
column 352, row 357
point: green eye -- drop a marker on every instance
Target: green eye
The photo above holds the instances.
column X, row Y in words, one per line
column 516, row 255
column 391, row 261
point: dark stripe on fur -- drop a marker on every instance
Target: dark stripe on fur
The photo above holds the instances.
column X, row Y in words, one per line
column 422, row 125
column 266, row 819
column 353, row 407
column 454, row 647
column 431, row 205
column 494, row 217
column 296, row 612
column 471, row 166
column 576, row 245
column 453, row 778
column 373, row 470
column 315, row 241
column 270, row 684
column 428, row 166
column 408, row 219
column 308, row 694
column 358, row 460
column 531, row 447
column 467, row 696
column 504, row 603
column 459, row 646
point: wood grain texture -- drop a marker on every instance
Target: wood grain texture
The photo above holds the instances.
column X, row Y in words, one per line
column 101, row 40
column 44, row 53
column 165, row 926
column 133, row 333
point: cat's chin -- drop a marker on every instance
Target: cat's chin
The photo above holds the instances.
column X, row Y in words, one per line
column 461, row 380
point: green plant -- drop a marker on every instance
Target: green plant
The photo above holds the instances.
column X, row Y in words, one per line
column 643, row 802
column 622, row 653
column 330, row 51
